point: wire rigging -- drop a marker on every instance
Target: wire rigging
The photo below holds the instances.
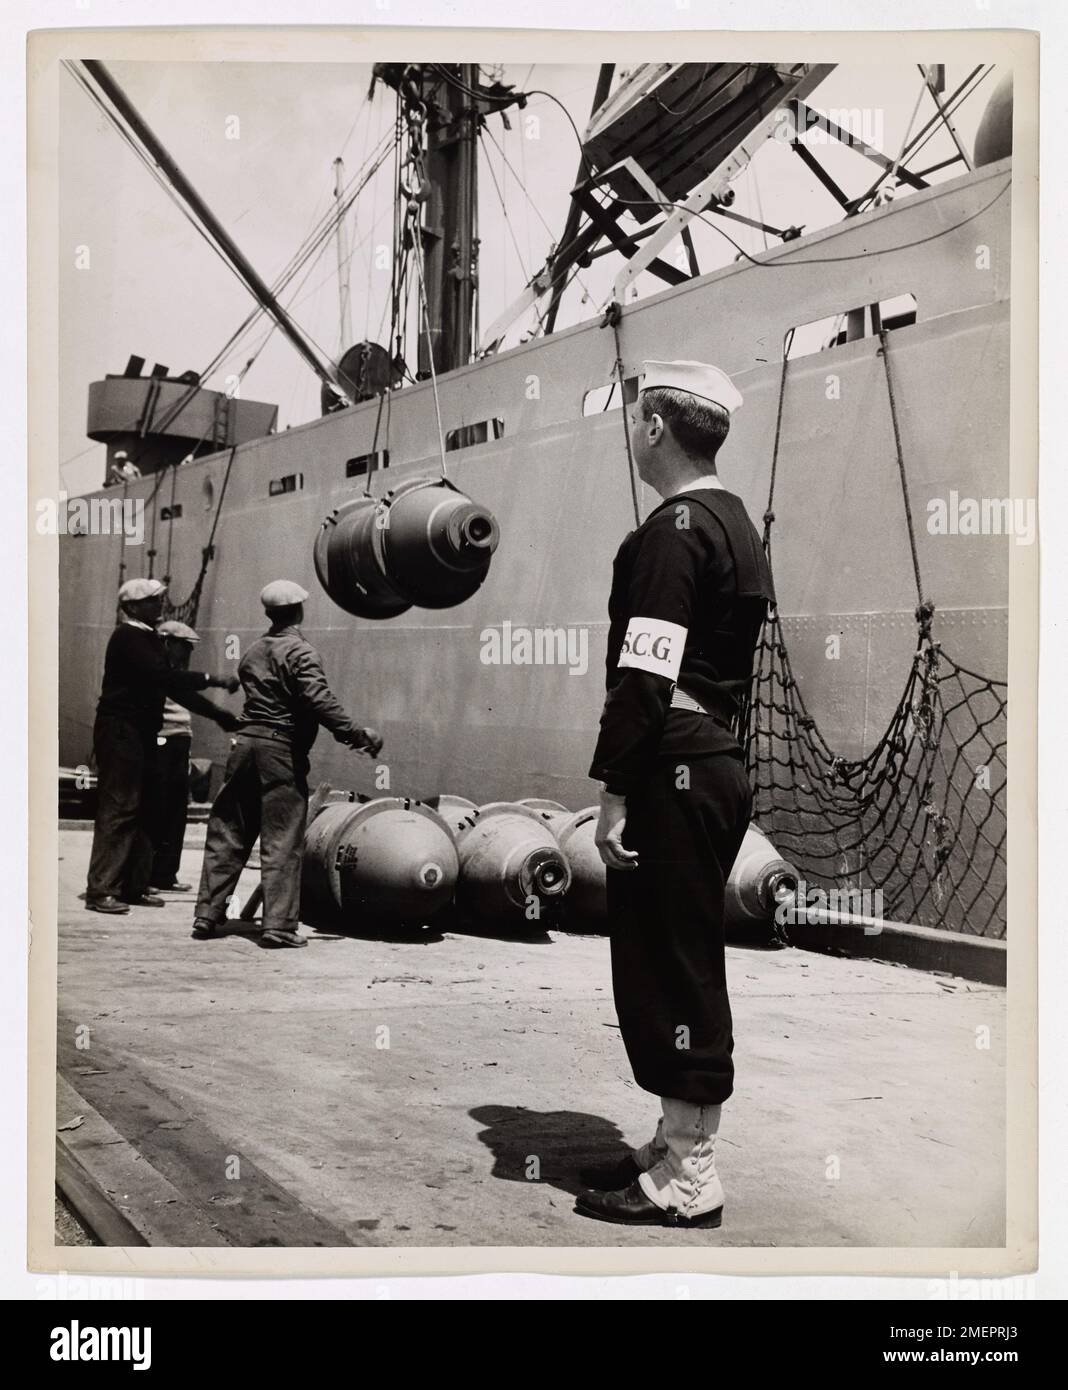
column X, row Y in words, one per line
column 310, row 249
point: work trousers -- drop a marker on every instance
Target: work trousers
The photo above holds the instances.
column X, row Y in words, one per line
column 687, row 821
column 121, row 858
column 169, row 807
column 265, row 794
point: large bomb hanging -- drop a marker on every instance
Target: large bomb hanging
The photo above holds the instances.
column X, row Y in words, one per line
column 423, row 544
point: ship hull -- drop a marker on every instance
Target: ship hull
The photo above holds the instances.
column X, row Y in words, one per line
column 456, row 715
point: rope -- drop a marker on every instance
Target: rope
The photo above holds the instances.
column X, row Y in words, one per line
column 154, row 500
column 575, row 272
column 613, row 315
column 374, row 442
column 527, row 277
column 186, row 611
column 430, row 352
column 311, row 248
column 769, row 515
column 170, row 529
column 122, row 541
column 884, row 351
column 414, row 118
column 318, row 238
column 150, row 500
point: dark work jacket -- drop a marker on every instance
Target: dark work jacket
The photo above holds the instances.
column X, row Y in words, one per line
column 690, row 591
column 138, row 677
column 286, row 691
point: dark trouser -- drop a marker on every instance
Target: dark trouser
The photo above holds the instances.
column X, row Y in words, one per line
column 264, row 793
column 169, row 807
column 666, row 923
column 122, row 850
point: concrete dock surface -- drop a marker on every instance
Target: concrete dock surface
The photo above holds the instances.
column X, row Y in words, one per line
column 443, row 1089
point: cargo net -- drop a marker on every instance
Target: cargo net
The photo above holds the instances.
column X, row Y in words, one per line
column 921, row 818
column 186, row 611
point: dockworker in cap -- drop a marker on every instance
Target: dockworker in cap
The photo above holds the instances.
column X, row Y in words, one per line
column 169, row 792
column 265, row 789
column 690, row 590
column 138, row 677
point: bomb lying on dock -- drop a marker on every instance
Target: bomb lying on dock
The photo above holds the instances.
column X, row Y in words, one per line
column 390, row 860
column 510, row 862
column 758, row 882
column 575, row 833
column 394, row 860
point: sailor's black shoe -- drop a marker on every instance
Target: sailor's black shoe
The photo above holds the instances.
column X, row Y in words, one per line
column 172, row 888
column 203, row 927
column 106, row 904
column 146, row 900
column 632, row 1207
column 611, row 1177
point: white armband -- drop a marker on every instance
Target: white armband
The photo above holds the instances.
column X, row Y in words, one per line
column 653, row 645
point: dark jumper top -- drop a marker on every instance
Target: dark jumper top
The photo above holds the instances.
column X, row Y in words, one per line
column 138, row 676
column 696, row 564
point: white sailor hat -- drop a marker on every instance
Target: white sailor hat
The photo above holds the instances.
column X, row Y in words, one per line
column 136, row 589
column 282, row 593
column 698, row 378
column 173, row 628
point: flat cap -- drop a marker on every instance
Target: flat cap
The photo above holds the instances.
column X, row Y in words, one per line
column 173, row 628
column 135, row 589
column 698, row 378
column 282, row 593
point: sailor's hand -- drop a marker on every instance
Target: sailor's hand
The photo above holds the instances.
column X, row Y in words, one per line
column 609, row 836
column 229, row 683
column 368, row 741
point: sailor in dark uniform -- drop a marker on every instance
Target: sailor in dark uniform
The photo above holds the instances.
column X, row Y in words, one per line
column 690, row 591
column 265, row 790
column 138, row 677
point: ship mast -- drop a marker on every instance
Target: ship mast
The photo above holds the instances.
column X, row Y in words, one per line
column 344, row 336
column 444, row 107
column 450, row 244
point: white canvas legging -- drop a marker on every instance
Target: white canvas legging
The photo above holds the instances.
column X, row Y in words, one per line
column 679, row 1163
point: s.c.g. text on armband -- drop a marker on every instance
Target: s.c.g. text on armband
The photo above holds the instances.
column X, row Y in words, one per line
column 651, row 644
